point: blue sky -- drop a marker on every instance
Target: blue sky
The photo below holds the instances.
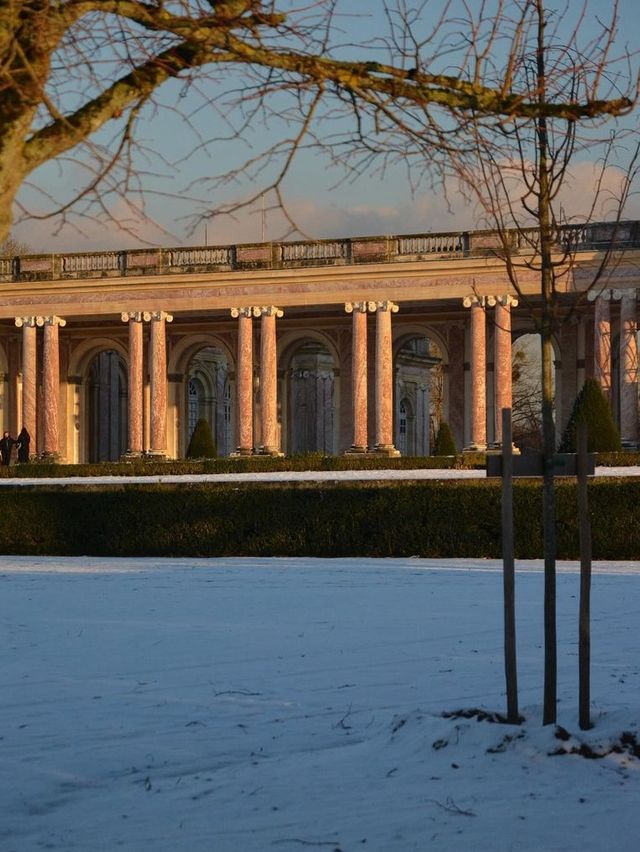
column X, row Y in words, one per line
column 175, row 177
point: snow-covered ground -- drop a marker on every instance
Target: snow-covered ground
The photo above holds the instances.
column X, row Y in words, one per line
column 246, row 705
column 281, row 476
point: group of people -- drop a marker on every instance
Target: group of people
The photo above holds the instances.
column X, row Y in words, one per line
column 7, row 443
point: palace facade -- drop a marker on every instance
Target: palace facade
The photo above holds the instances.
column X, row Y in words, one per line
column 332, row 346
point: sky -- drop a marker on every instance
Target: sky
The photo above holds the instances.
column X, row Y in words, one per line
column 175, row 168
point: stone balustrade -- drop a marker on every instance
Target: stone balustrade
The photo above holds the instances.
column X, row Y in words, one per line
column 283, row 255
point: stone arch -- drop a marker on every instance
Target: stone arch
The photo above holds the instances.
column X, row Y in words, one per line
column 202, row 384
column 183, row 350
column 82, row 355
column 4, row 390
column 421, row 387
column 81, row 440
column 527, row 393
column 310, row 369
column 218, row 403
column 106, row 406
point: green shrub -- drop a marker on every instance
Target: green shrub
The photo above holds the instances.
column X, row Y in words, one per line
column 445, row 445
column 243, row 464
column 201, row 445
column 592, row 408
column 442, row 519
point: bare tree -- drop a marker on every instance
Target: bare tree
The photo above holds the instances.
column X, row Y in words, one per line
column 516, row 173
column 526, row 403
column 71, row 67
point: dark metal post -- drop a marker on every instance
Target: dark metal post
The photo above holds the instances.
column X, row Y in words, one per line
column 584, row 641
column 509, row 570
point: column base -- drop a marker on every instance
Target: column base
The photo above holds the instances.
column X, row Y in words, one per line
column 155, row 455
column 630, row 446
column 131, row 455
column 386, row 450
column 355, row 451
column 242, row 453
column 475, row 448
column 50, row 458
column 496, row 449
column 274, row 452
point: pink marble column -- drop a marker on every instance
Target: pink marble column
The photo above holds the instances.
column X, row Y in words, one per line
column 244, row 380
column 602, row 344
column 136, row 384
column 478, row 373
column 628, row 368
column 502, row 361
column 28, row 414
column 158, row 374
column 359, row 375
column 268, row 379
column 51, row 385
column 384, row 377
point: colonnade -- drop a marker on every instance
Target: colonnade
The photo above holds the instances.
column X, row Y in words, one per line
column 627, row 353
column 478, row 364
column 50, row 379
column 495, row 308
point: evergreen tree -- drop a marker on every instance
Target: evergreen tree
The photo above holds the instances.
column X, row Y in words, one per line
column 592, row 407
column 445, row 444
column 201, row 445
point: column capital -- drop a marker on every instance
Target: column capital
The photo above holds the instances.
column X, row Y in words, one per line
column 487, row 301
column 356, row 307
column 158, row 315
column 242, row 312
column 605, row 295
column 51, row 320
column 132, row 316
column 267, row 311
column 30, row 322
column 507, row 300
column 385, row 305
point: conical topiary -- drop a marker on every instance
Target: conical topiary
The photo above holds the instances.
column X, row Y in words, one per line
column 445, row 445
column 592, row 407
column 201, row 445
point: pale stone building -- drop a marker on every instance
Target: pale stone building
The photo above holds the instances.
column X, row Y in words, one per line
column 338, row 345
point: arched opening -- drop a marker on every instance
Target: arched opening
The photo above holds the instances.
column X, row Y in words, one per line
column 106, row 399
column 419, row 375
column 526, row 374
column 208, row 396
column 311, row 399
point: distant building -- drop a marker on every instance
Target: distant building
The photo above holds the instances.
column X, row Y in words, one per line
column 330, row 346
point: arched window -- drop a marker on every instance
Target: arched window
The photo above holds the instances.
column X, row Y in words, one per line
column 196, row 393
column 402, row 428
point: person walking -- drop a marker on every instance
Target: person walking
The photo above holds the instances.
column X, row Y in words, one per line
column 6, row 445
column 22, row 442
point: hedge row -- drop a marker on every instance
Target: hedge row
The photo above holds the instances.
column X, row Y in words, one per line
column 431, row 519
column 261, row 464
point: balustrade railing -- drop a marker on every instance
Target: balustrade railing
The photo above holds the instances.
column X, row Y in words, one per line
column 397, row 249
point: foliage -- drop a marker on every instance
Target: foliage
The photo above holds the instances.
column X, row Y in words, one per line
column 244, row 464
column 428, row 519
column 201, row 443
column 445, row 444
column 591, row 407
column 54, row 101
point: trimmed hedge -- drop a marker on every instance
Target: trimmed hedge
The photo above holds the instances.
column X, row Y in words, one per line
column 244, row 464
column 445, row 444
column 430, row 519
column 592, row 407
column 201, row 445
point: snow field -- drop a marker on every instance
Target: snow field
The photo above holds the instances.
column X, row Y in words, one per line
column 245, row 705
